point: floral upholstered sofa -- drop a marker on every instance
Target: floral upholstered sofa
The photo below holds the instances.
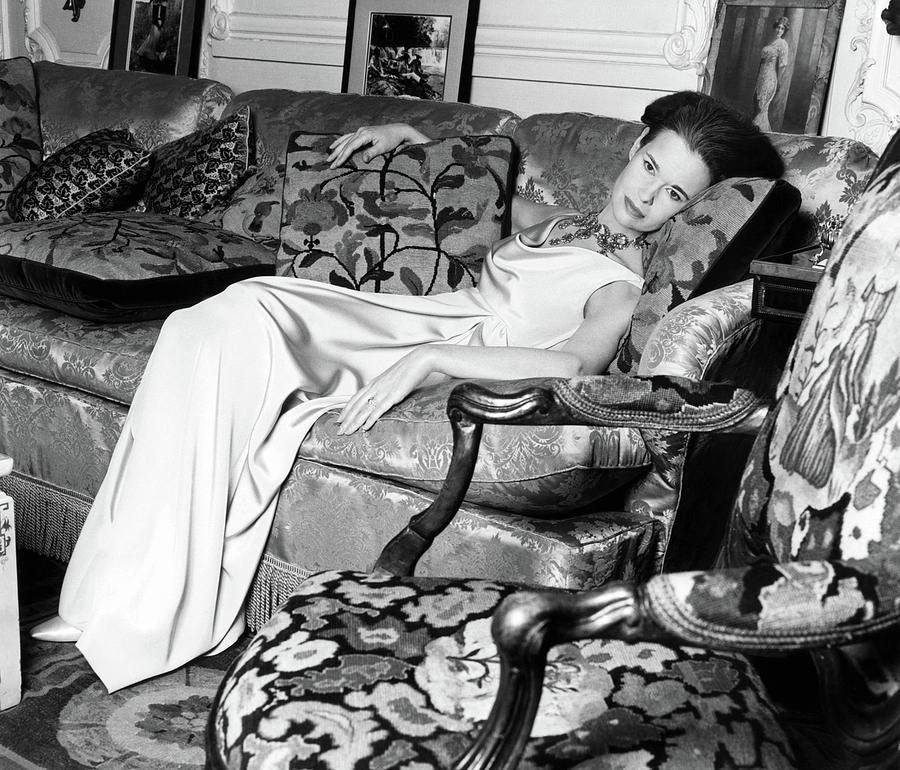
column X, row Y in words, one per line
column 555, row 505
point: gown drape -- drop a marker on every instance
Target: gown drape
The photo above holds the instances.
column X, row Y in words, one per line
column 169, row 549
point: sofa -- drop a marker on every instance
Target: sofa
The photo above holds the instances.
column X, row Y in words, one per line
column 561, row 506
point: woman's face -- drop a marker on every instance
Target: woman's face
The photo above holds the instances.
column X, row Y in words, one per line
column 660, row 178
column 780, row 29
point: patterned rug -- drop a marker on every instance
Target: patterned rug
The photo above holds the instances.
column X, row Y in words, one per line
column 67, row 720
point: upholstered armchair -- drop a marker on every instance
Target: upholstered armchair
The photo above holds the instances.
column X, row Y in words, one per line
column 785, row 654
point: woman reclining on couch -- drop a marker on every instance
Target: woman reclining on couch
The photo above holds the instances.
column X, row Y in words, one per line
column 164, row 562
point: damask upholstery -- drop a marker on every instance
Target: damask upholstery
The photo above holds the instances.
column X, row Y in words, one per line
column 811, row 565
column 20, row 130
column 156, row 108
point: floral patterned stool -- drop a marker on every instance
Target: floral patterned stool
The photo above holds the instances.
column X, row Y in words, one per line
column 363, row 670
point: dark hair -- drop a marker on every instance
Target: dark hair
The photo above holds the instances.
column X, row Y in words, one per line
column 727, row 142
column 784, row 22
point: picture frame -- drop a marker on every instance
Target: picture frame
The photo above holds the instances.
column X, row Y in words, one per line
column 156, row 36
column 420, row 49
column 772, row 61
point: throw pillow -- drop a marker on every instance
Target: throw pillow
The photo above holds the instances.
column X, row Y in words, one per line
column 418, row 220
column 127, row 266
column 709, row 244
column 194, row 174
column 103, row 171
column 20, row 129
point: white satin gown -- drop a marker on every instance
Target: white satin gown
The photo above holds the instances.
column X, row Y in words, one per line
column 163, row 565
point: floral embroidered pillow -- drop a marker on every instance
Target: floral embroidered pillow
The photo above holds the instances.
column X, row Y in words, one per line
column 709, row 244
column 20, row 129
column 418, row 220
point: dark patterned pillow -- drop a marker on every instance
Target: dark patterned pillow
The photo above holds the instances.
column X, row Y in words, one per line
column 103, row 171
column 709, row 244
column 126, row 266
column 194, row 174
column 20, row 129
column 418, row 220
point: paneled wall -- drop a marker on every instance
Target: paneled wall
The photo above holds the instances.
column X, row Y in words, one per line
column 603, row 56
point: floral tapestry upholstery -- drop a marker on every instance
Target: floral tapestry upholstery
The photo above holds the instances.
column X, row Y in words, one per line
column 548, row 470
column 20, row 130
column 194, row 174
column 706, row 245
column 103, row 171
column 419, row 220
column 356, row 667
column 830, row 172
column 75, row 101
column 123, row 266
column 255, row 208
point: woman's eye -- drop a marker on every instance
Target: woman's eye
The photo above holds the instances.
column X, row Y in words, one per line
column 675, row 196
column 648, row 166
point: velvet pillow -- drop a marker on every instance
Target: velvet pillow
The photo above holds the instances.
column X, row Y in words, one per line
column 126, row 266
column 194, row 174
column 709, row 244
column 103, row 171
column 20, row 130
column 418, row 220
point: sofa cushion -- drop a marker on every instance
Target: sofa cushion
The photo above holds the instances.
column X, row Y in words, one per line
column 536, row 469
column 123, row 266
column 103, row 171
column 194, row 174
column 255, row 210
column 419, row 220
column 709, row 244
column 20, row 131
column 75, row 101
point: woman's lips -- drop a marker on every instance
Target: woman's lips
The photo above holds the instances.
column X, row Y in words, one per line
column 632, row 209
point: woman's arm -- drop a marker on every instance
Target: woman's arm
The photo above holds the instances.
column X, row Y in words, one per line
column 379, row 140
column 589, row 350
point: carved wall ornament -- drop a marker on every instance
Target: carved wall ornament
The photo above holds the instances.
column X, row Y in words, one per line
column 688, row 47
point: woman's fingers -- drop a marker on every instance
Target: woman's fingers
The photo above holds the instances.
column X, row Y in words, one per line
column 344, row 146
column 362, row 411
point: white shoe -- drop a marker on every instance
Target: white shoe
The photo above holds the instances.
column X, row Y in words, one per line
column 55, row 630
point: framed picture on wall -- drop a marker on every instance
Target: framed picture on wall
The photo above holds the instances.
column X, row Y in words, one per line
column 156, row 36
column 772, row 60
column 420, row 49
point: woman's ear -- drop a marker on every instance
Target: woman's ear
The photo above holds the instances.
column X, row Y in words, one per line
column 637, row 142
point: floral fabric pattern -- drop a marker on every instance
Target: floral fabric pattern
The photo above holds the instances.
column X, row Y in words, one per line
column 20, row 130
column 359, row 666
column 419, row 220
column 196, row 173
column 75, row 101
column 255, row 209
column 102, row 171
column 124, row 266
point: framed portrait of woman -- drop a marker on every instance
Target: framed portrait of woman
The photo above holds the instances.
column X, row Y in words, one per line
column 419, row 49
column 772, row 61
column 156, row 36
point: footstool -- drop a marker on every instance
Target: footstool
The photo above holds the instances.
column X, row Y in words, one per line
column 10, row 651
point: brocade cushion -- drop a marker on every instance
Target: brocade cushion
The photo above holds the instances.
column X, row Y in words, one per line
column 124, row 266
column 194, row 174
column 709, row 244
column 360, row 670
column 20, row 131
column 75, row 101
column 103, row 171
column 546, row 469
column 255, row 209
column 418, row 220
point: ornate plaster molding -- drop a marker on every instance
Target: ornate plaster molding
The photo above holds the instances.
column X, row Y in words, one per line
column 868, row 102
column 689, row 46
column 218, row 29
column 40, row 42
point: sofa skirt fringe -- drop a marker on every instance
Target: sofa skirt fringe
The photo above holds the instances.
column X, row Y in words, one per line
column 48, row 518
column 274, row 583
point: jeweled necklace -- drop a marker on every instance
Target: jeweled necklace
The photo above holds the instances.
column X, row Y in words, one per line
column 588, row 225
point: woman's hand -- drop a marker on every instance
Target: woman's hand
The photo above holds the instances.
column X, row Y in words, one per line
column 388, row 388
column 378, row 139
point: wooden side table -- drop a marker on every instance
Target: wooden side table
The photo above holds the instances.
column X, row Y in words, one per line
column 10, row 652
column 781, row 292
